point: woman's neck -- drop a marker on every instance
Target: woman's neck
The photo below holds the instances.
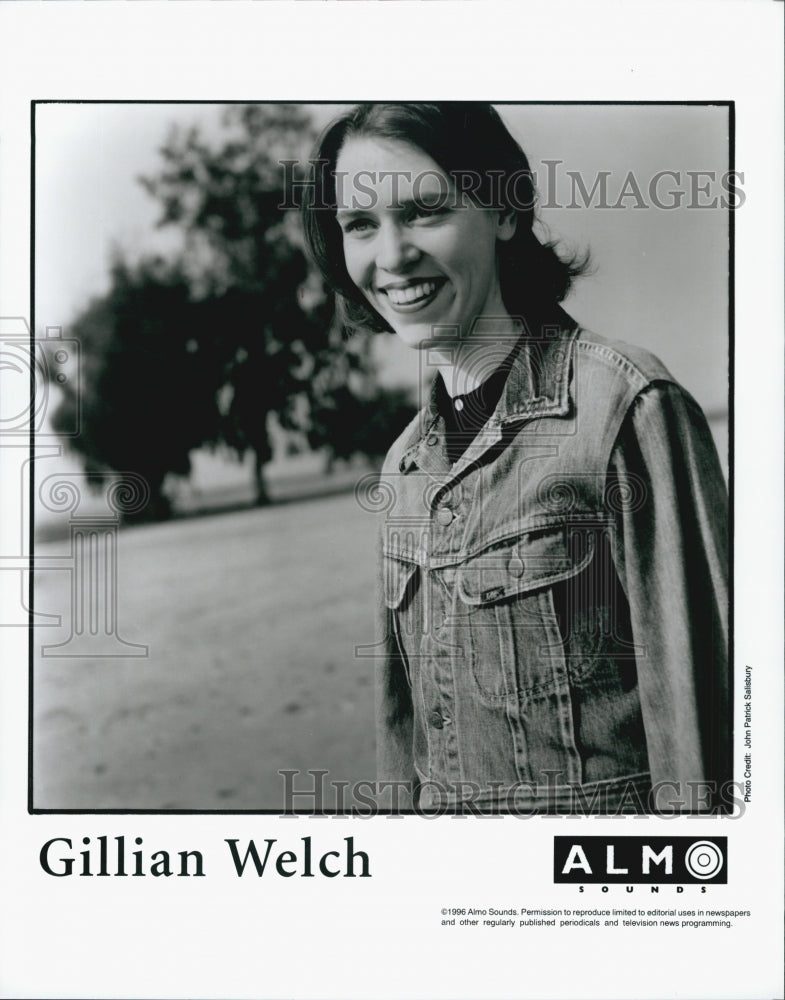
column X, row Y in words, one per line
column 465, row 364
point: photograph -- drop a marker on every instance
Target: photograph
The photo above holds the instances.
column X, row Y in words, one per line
column 392, row 457
column 391, row 470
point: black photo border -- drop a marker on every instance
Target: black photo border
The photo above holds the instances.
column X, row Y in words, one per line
column 33, row 810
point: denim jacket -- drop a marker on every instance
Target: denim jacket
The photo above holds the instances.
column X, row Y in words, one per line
column 554, row 604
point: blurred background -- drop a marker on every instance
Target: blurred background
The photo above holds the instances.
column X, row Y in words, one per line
column 208, row 365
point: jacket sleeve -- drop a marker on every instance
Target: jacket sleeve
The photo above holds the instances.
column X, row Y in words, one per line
column 671, row 553
column 395, row 769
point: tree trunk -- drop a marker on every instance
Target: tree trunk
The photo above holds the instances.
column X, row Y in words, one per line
column 262, row 496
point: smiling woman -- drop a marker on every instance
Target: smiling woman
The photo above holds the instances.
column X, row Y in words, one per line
column 418, row 257
column 553, row 551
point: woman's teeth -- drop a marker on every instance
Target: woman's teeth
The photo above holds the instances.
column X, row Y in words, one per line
column 405, row 296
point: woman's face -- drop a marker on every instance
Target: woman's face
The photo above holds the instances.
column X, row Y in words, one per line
column 421, row 257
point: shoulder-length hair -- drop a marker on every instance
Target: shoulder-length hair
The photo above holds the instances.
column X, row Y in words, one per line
column 471, row 143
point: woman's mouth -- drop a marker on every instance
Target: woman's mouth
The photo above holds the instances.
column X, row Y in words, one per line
column 414, row 295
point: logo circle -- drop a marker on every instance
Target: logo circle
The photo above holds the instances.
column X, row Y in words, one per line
column 703, row 859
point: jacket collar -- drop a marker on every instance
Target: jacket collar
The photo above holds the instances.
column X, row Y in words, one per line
column 538, row 384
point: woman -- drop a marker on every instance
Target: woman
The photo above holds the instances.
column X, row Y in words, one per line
column 554, row 546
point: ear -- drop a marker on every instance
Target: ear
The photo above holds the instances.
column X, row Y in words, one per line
column 507, row 224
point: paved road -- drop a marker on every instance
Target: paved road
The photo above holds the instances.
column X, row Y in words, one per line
column 251, row 619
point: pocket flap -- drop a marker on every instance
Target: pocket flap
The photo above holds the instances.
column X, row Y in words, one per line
column 525, row 563
column 398, row 574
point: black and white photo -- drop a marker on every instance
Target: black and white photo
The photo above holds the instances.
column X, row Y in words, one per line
column 391, row 442
column 553, row 569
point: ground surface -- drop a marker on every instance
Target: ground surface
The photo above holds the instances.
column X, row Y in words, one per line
column 251, row 619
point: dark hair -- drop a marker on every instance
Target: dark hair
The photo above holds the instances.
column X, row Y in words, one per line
column 468, row 140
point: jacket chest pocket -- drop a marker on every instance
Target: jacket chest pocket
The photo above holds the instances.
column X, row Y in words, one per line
column 512, row 626
column 401, row 590
column 398, row 581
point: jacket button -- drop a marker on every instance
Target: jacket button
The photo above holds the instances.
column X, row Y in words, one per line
column 435, row 719
column 433, row 439
column 444, row 516
column 515, row 566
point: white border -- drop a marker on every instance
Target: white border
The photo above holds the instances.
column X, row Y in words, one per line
column 380, row 938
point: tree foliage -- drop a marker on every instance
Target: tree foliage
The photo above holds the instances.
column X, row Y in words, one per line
column 146, row 398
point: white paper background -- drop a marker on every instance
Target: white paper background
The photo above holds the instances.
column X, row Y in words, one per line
column 227, row 937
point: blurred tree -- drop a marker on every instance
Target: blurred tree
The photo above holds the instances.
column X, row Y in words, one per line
column 146, row 396
column 264, row 323
column 349, row 424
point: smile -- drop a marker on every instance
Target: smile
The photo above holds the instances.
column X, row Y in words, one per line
column 416, row 294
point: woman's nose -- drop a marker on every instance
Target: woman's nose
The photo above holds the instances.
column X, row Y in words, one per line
column 395, row 250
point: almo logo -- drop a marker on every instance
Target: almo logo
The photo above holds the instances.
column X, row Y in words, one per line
column 640, row 859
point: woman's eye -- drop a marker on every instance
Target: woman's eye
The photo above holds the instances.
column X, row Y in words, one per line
column 426, row 211
column 357, row 226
